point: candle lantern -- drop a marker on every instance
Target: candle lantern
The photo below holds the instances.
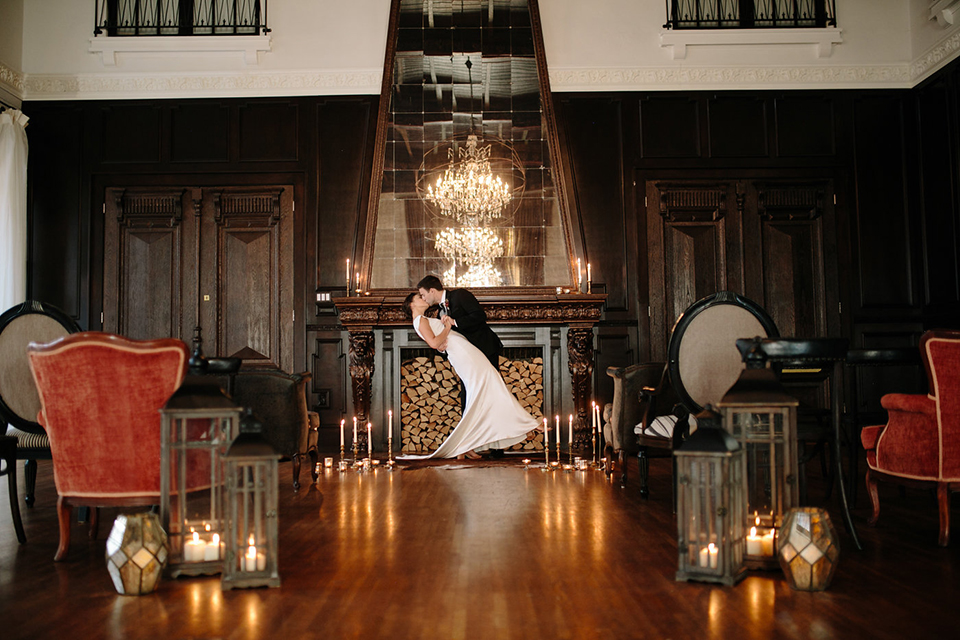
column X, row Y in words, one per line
column 711, row 504
column 763, row 418
column 809, row 549
column 251, row 548
column 197, row 425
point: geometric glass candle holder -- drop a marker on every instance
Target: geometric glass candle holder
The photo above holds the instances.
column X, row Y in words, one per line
column 136, row 553
column 251, row 541
column 197, row 424
column 809, row 549
column 763, row 418
column 711, row 504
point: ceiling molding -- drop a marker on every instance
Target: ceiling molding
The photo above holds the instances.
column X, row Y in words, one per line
column 11, row 85
column 934, row 59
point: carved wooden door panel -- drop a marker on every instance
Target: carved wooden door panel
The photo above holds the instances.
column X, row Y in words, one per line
column 218, row 257
column 145, row 288
column 246, row 274
column 693, row 249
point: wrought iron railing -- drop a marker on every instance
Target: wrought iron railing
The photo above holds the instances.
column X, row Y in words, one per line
column 181, row 17
column 750, row 14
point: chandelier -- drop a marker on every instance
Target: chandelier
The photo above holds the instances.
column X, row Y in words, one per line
column 470, row 245
column 477, row 275
column 467, row 191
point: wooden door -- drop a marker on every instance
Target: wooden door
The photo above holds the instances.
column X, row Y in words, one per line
column 772, row 241
column 217, row 257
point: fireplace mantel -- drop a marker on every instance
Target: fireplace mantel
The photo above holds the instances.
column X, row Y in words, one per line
column 579, row 312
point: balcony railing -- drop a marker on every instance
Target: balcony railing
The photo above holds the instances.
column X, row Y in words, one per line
column 750, row 14
column 181, row 17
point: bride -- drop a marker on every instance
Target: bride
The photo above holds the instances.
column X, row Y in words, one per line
column 492, row 417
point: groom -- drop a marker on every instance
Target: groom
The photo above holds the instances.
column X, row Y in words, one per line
column 469, row 319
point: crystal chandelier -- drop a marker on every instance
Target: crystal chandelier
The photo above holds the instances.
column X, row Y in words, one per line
column 470, row 245
column 468, row 191
column 477, row 275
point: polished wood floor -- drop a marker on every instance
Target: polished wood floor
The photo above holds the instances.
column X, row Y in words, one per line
column 464, row 550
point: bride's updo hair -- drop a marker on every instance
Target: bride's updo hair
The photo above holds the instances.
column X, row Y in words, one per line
column 406, row 304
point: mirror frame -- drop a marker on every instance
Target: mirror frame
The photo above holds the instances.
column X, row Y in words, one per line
column 557, row 166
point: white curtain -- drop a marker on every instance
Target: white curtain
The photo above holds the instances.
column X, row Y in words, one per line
column 13, row 208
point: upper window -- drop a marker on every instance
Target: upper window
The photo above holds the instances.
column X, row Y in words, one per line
column 181, row 17
column 750, row 14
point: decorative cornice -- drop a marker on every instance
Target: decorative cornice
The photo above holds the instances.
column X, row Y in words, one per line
column 935, row 58
column 659, row 78
column 11, row 81
column 176, row 85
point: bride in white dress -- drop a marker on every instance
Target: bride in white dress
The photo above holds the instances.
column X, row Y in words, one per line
column 492, row 418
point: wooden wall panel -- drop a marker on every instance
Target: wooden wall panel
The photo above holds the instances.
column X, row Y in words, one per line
column 670, row 127
column 805, row 125
column 269, row 131
column 130, row 133
column 882, row 229
column 199, row 132
column 738, row 126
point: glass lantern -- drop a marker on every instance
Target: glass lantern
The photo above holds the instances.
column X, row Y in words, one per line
column 136, row 553
column 197, row 424
column 711, row 504
column 251, row 550
column 763, row 418
column 809, row 549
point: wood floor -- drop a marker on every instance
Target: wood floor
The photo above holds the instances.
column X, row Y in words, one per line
column 485, row 552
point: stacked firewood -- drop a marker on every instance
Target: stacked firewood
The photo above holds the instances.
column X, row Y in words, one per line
column 430, row 400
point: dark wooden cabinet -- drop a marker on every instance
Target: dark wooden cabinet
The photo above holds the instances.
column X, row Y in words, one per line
column 220, row 257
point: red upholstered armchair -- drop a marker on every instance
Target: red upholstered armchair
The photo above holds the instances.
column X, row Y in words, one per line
column 920, row 444
column 100, row 397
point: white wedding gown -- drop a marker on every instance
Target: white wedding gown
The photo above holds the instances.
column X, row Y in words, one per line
column 492, row 419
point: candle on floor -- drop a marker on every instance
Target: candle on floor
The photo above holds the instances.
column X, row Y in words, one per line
column 714, row 553
column 754, row 543
column 212, row 551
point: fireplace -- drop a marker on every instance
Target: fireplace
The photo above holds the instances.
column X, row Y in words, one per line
column 429, row 392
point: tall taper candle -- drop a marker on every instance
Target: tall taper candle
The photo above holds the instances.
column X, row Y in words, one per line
column 579, row 277
column 570, row 432
column 342, row 422
column 546, row 444
column 369, row 441
column 558, row 438
column 348, row 276
column 589, row 279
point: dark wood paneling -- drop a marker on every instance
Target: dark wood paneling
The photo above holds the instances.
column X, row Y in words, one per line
column 329, row 383
column 670, row 127
column 594, row 136
column 738, row 126
column 268, row 131
column 805, row 126
column 130, row 133
column 199, row 132
column 55, row 221
column 882, row 229
column 941, row 235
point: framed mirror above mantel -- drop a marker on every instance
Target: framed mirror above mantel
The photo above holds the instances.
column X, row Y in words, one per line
column 468, row 185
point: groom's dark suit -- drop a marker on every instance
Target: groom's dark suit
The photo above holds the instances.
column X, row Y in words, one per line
column 462, row 306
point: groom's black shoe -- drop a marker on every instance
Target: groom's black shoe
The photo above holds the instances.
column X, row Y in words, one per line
column 496, row 453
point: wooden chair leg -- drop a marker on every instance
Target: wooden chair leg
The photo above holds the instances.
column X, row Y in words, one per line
column 64, row 512
column 643, row 462
column 609, row 456
column 874, row 498
column 296, row 471
column 943, row 500
column 11, row 474
column 30, row 481
column 622, row 464
column 94, row 525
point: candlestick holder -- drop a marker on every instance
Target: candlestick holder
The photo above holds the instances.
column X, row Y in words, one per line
column 390, row 462
column 355, row 451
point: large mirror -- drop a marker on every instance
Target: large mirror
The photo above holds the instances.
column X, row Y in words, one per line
column 466, row 182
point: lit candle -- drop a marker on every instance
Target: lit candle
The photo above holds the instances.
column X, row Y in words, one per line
column 212, row 552
column 342, row 422
column 194, row 550
column 558, row 435
column 369, row 441
column 348, row 276
column 354, row 431
column 570, row 433
column 250, row 558
column 754, row 543
column 704, row 557
column 390, row 422
column 358, row 282
column 714, row 555
column 589, row 275
column 579, row 275
column 766, row 544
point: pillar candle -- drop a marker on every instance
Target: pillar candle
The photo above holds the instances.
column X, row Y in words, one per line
column 194, row 549
column 212, row 551
column 754, row 543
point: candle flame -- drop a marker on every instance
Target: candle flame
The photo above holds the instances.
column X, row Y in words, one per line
column 216, row 538
column 251, row 541
column 196, row 537
column 753, row 532
column 712, row 546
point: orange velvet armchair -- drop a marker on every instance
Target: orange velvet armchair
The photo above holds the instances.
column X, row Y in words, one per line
column 920, row 444
column 100, row 397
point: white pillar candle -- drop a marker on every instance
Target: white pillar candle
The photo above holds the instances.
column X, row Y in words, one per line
column 714, row 553
column 250, row 559
column 194, row 549
column 766, row 544
column 704, row 557
column 754, row 543
column 212, row 551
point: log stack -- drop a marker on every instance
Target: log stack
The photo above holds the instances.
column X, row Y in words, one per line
column 430, row 400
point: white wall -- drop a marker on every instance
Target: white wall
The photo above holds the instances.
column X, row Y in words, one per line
column 321, row 47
